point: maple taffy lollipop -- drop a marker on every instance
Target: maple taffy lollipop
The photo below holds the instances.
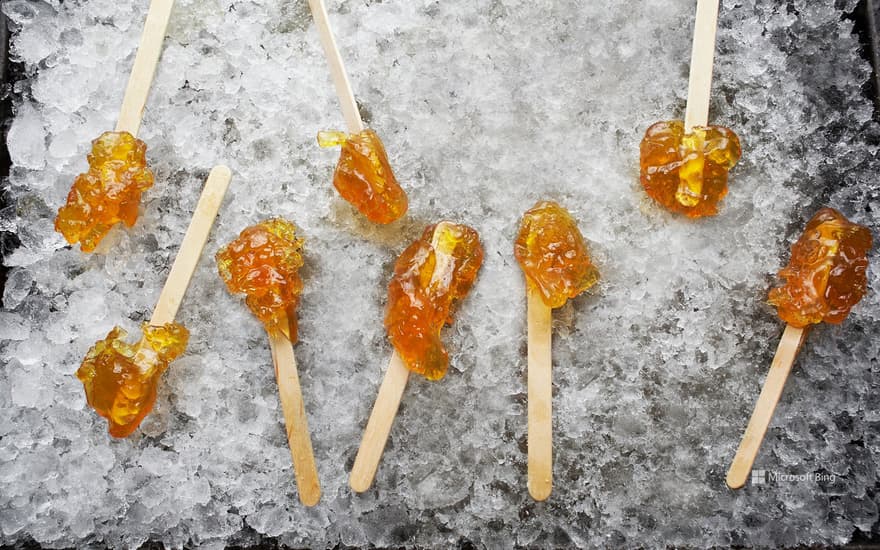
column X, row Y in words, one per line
column 110, row 191
column 263, row 264
column 430, row 278
column 824, row 279
column 684, row 164
column 553, row 256
column 121, row 379
column 363, row 174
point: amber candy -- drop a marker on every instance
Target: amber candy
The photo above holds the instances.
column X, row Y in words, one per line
column 109, row 193
column 431, row 276
column 363, row 175
column 553, row 255
column 263, row 263
column 687, row 172
column 825, row 277
column 121, row 379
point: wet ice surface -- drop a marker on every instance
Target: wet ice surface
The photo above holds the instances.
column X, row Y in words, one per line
column 485, row 107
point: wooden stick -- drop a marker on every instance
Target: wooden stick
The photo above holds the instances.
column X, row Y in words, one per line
column 144, row 68
column 297, row 426
column 540, row 387
column 789, row 345
column 379, row 425
column 702, row 56
column 390, row 392
column 191, row 248
column 337, row 69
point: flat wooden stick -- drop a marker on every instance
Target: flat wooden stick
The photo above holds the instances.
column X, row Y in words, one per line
column 702, row 56
column 379, row 425
column 337, row 68
column 540, row 387
column 144, row 68
column 789, row 345
column 298, row 438
column 191, row 248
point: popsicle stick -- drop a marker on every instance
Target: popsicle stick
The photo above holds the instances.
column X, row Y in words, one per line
column 786, row 352
column 702, row 56
column 297, row 426
column 379, row 425
column 191, row 248
column 540, row 388
column 144, row 68
column 337, row 68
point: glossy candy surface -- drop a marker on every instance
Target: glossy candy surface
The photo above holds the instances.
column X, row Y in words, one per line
column 553, row 255
column 121, row 379
column 826, row 276
column 363, row 175
column 109, row 193
column 431, row 276
column 687, row 173
column 263, row 263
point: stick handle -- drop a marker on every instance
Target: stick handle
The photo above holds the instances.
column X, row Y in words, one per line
column 789, row 345
column 191, row 248
column 379, row 425
column 337, row 68
column 702, row 56
column 540, row 388
column 295, row 421
column 145, row 62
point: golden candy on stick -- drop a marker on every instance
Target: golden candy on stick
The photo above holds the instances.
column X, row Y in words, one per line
column 263, row 264
column 110, row 192
column 824, row 279
column 684, row 164
column 554, row 259
column 430, row 278
column 363, row 174
column 121, row 379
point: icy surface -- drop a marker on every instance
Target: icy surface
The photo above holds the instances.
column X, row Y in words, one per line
column 485, row 107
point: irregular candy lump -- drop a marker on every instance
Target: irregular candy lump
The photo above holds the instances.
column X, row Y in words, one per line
column 825, row 277
column 430, row 278
column 363, row 176
column 263, row 263
column 121, row 379
column 553, row 255
column 108, row 193
column 687, row 172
